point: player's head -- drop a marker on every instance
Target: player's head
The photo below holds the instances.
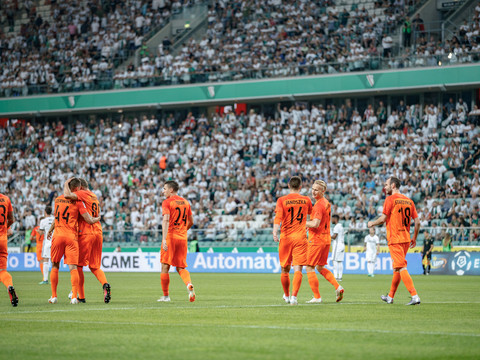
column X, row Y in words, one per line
column 74, row 184
column 48, row 210
column 335, row 218
column 372, row 231
column 318, row 189
column 170, row 188
column 83, row 183
column 295, row 183
column 392, row 185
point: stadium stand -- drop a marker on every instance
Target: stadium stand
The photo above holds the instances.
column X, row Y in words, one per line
column 233, row 167
column 79, row 45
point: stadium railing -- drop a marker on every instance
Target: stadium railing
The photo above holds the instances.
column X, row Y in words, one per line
column 255, row 237
column 108, row 80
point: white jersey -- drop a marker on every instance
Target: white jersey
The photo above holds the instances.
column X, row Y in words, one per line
column 45, row 225
column 371, row 243
column 338, row 244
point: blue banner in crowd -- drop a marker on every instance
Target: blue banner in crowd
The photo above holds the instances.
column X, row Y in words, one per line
column 354, row 263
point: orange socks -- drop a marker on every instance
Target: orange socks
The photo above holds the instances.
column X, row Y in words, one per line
column 54, row 281
column 185, row 275
column 297, row 281
column 41, row 266
column 74, row 280
column 100, row 275
column 327, row 274
column 407, row 280
column 165, row 280
column 6, row 278
column 313, row 281
column 81, row 283
column 395, row 281
column 285, row 278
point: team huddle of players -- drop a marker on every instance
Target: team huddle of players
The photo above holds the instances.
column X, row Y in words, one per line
column 77, row 238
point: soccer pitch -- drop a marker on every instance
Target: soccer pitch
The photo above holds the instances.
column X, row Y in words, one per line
column 241, row 316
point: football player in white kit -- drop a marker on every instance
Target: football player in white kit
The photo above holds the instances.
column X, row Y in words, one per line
column 338, row 247
column 372, row 249
column 47, row 242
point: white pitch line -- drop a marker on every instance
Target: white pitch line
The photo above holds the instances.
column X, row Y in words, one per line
column 80, row 308
column 260, row 327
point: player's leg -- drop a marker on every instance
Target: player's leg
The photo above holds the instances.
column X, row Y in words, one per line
column 429, row 260
column 71, row 259
column 74, row 281
column 299, row 258
column 180, row 262
column 405, row 276
column 57, row 251
column 95, row 260
column 340, row 270
column 166, row 260
column 54, row 282
column 285, row 257
column 6, row 279
column 424, row 264
column 313, row 255
column 81, row 284
column 46, row 268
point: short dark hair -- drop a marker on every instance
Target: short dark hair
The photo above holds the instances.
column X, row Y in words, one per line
column 172, row 185
column 295, row 182
column 48, row 210
column 335, row 216
column 396, row 181
column 74, row 183
column 83, row 182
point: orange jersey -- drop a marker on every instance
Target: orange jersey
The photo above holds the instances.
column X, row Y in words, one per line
column 399, row 210
column 66, row 217
column 321, row 234
column 179, row 210
column 291, row 212
column 5, row 209
column 88, row 202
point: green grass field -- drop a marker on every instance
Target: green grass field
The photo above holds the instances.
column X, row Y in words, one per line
column 241, row 316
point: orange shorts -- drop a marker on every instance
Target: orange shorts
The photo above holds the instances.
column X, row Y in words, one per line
column 3, row 253
column 398, row 253
column 176, row 255
column 84, row 248
column 95, row 258
column 317, row 254
column 67, row 247
column 39, row 249
column 292, row 252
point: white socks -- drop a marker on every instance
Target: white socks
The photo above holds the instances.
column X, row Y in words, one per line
column 46, row 268
column 370, row 268
column 338, row 269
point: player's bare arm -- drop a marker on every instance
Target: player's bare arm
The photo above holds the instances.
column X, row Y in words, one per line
column 165, row 223
column 89, row 219
column 334, row 236
column 66, row 191
column 315, row 223
column 50, row 231
column 413, row 243
column 276, row 227
column 379, row 221
column 9, row 231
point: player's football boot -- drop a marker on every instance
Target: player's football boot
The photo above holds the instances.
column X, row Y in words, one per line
column 53, row 300
column 286, row 299
column 191, row 293
column 164, row 299
column 81, row 300
column 387, row 299
column 13, row 296
column 293, row 300
column 314, row 301
column 106, row 293
column 74, row 301
column 415, row 300
column 339, row 292
column 43, row 282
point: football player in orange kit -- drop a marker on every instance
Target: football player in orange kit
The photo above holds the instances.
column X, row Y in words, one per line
column 177, row 219
column 90, row 239
column 398, row 211
column 6, row 219
column 38, row 236
column 319, row 243
column 65, row 240
column 291, row 212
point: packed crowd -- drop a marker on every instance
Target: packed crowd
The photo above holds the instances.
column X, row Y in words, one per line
column 239, row 164
column 81, row 47
column 245, row 39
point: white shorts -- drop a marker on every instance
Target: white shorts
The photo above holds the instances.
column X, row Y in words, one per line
column 338, row 251
column 371, row 256
column 47, row 244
